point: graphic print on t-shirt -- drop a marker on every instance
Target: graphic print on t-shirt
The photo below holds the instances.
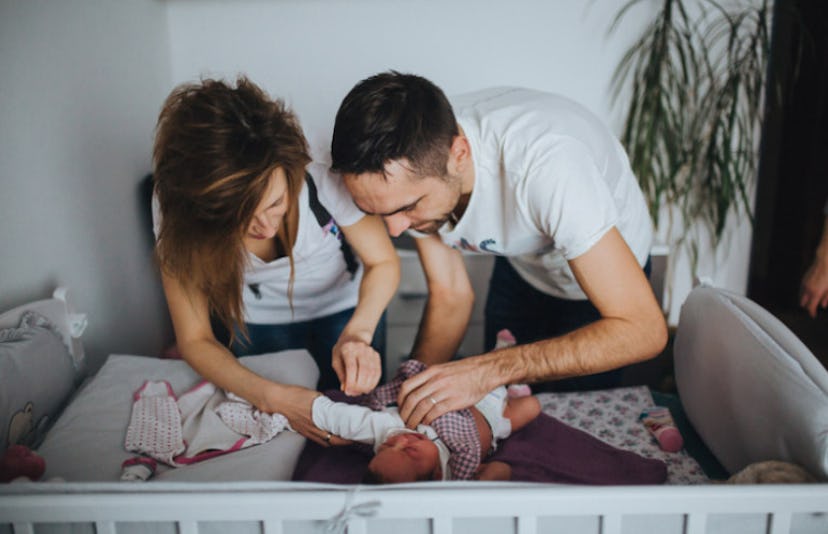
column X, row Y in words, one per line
column 487, row 245
column 328, row 224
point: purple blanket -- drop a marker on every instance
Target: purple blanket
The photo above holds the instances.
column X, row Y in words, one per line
column 545, row 450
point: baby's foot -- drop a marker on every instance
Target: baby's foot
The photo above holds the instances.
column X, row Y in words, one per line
column 515, row 391
column 504, row 339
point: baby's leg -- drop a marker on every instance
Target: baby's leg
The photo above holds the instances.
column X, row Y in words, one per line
column 493, row 471
column 521, row 411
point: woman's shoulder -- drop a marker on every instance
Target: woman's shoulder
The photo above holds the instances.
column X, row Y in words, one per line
column 326, row 188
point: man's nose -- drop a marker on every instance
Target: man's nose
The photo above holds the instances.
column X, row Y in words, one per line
column 397, row 224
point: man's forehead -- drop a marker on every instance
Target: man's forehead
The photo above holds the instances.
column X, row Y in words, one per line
column 398, row 169
column 377, row 194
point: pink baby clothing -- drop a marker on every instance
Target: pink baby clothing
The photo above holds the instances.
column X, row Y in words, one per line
column 155, row 425
column 203, row 423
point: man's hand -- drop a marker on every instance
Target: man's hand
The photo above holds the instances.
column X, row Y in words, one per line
column 444, row 388
column 357, row 365
column 814, row 291
column 296, row 404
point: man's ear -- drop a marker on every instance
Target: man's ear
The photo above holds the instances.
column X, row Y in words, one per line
column 459, row 155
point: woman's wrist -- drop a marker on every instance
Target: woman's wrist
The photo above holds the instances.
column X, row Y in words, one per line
column 357, row 332
column 271, row 397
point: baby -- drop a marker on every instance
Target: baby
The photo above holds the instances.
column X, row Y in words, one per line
column 451, row 448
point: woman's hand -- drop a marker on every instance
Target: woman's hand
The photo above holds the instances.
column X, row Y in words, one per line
column 296, row 404
column 356, row 364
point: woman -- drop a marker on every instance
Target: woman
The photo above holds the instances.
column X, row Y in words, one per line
column 249, row 238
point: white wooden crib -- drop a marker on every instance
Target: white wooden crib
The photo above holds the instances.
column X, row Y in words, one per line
column 727, row 350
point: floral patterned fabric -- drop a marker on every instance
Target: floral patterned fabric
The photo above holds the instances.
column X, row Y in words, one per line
column 612, row 416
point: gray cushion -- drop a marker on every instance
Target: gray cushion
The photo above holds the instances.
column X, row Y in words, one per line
column 37, row 375
column 87, row 441
column 750, row 387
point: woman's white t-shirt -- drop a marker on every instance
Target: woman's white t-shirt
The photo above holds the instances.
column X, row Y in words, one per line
column 322, row 283
column 550, row 181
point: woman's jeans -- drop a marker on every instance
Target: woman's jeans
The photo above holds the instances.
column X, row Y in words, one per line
column 318, row 336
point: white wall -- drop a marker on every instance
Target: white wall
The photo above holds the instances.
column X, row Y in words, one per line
column 80, row 85
column 311, row 52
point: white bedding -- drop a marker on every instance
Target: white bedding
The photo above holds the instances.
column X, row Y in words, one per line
column 87, row 441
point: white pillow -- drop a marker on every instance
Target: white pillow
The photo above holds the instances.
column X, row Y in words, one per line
column 37, row 375
column 87, row 441
column 750, row 387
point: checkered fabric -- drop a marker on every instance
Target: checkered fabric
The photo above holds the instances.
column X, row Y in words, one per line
column 456, row 429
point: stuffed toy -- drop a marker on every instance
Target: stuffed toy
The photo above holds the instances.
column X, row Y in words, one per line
column 20, row 461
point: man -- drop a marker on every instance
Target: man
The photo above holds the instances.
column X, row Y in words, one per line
column 527, row 176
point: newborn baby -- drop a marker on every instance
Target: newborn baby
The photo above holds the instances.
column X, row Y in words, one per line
column 451, row 448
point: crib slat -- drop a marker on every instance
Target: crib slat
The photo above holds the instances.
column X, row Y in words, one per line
column 104, row 527
column 187, row 527
column 441, row 525
column 272, row 526
column 695, row 523
column 527, row 524
column 611, row 524
column 357, row 525
column 779, row 523
column 23, row 528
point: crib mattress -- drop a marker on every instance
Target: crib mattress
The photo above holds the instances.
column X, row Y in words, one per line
column 87, row 442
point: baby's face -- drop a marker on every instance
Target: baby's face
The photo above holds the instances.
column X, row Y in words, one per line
column 406, row 457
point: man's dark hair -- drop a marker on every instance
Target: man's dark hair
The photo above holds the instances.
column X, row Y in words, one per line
column 391, row 116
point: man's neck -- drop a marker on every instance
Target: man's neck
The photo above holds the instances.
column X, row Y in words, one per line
column 458, row 211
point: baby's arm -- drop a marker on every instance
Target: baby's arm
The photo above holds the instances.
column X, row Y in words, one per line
column 349, row 421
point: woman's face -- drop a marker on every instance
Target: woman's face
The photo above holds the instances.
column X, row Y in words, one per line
column 271, row 209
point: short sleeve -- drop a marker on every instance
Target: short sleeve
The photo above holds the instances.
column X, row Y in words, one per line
column 567, row 198
column 156, row 215
column 335, row 196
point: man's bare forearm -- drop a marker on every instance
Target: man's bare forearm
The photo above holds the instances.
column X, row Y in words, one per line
column 442, row 328
column 601, row 346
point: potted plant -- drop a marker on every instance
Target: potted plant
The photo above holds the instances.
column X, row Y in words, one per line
column 696, row 84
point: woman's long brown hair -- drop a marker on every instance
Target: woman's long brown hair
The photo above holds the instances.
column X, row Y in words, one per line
column 216, row 148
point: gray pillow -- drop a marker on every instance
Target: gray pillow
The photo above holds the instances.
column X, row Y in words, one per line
column 87, row 441
column 37, row 375
column 750, row 387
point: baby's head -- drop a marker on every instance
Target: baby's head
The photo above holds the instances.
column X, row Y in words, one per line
column 405, row 457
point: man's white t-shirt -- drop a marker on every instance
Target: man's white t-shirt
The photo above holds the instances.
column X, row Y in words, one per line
column 550, row 181
column 322, row 283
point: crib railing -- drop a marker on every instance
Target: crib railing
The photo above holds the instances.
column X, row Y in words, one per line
column 280, row 508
